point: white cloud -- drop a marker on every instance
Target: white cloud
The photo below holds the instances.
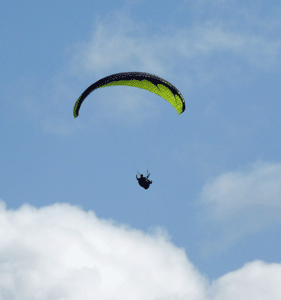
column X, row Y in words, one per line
column 258, row 188
column 202, row 41
column 62, row 252
column 255, row 281
column 188, row 55
column 242, row 202
column 118, row 42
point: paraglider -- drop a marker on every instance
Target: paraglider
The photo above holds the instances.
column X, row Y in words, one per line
column 141, row 80
column 144, row 181
column 146, row 81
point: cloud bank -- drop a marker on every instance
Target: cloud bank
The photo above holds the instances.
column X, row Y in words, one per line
column 63, row 252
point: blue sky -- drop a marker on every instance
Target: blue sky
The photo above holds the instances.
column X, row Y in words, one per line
column 211, row 219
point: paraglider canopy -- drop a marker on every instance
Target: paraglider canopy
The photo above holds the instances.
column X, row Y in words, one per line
column 146, row 81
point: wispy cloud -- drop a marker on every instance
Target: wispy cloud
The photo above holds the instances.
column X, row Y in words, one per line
column 243, row 202
column 191, row 53
column 118, row 42
column 202, row 42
